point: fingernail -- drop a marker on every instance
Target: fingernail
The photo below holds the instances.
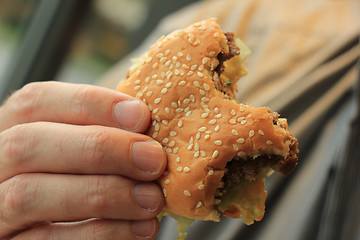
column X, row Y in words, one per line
column 148, row 156
column 129, row 114
column 144, row 229
column 147, row 195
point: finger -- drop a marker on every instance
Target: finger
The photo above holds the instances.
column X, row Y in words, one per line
column 93, row 230
column 74, row 104
column 62, row 148
column 32, row 198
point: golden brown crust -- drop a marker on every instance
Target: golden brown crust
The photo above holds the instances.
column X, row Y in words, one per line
column 199, row 129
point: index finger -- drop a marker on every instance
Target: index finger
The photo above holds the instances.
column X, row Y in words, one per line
column 74, row 104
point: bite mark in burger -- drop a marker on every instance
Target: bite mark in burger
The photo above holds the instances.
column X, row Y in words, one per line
column 219, row 151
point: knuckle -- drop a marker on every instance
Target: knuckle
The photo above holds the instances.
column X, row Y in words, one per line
column 15, row 198
column 100, row 230
column 94, row 148
column 98, row 195
column 83, row 100
column 25, row 101
column 14, row 144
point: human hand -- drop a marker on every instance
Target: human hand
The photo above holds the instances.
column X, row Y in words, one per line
column 74, row 166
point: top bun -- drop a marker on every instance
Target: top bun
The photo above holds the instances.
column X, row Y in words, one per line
column 198, row 124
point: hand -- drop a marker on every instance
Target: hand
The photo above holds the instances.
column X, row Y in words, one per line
column 74, row 166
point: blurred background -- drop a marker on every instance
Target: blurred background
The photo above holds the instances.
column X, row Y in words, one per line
column 33, row 46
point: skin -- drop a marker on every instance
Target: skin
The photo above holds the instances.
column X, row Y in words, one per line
column 74, row 165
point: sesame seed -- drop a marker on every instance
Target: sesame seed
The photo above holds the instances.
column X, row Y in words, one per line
column 167, row 52
column 196, row 84
column 179, row 110
column 236, row 148
column 172, row 143
column 217, row 128
column 174, row 58
column 198, row 204
column 200, row 74
column 159, row 55
column 216, row 110
column 216, row 34
column 176, row 150
column 180, row 54
column 174, row 105
column 147, row 79
column 168, row 150
column 249, row 115
column 201, row 67
column 206, row 87
column 165, row 122
column 182, row 83
column 202, row 129
column 163, row 75
column 177, row 159
column 136, row 87
column 188, row 114
column 198, row 135
column 211, row 172
column 205, row 99
column 165, row 192
column 157, row 118
column 169, row 76
column 261, row 132
column 177, row 64
column 215, row 154
column 164, row 90
column 196, row 154
column 196, row 147
column 167, row 110
column 163, row 59
column 240, row 140
column 173, row 133
column 167, row 181
column 204, row 60
column 212, row 121
column 190, row 73
column 202, row 92
column 232, row 121
column 197, row 42
column 218, row 115
column 212, row 53
column 251, row 133
column 233, row 112
column 234, row 132
column 201, row 187
column 137, row 73
column 159, row 82
column 268, row 142
column 239, row 119
column 179, row 169
column 188, row 57
column 155, row 135
column 186, row 101
column 168, row 63
column 187, row 193
column 176, row 72
column 191, row 139
column 190, row 146
column 192, row 98
column 241, row 108
column 155, row 65
column 168, row 84
column 185, row 66
column 165, row 140
column 148, row 59
column 218, row 142
column 193, row 67
column 203, row 153
column 157, row 100
column 157, row 127
column 137, row 82
column 207, row 136
column 186, row 169
column 204, row 115
column 139, row 94
column 243, row 122
column 171, row 66
column 180, row 123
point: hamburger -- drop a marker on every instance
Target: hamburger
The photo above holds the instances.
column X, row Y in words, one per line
column 219, row 150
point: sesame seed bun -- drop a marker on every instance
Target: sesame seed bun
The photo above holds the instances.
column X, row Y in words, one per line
column 198, row 123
